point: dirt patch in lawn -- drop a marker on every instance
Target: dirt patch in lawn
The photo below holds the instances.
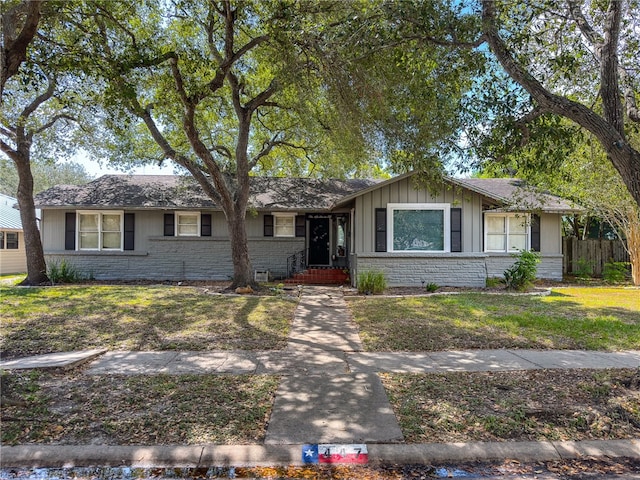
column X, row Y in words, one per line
column 73, row 408
column 522, row 405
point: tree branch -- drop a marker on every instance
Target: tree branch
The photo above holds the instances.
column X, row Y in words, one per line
column 633, row 112
column 222, row 150
column 169, row 152
column 609, row 87
column 235, row 94
column 179, row 83
column 547, row 101
column 621, row 153
column 39, row 100
column 587, row 30
column 261, row 99
column 248, row 46
column 7, row 132
column 524, row 128
column 267, row 146
column 14, row 51
column 128, row 32
column 51, row 122
column 10, row 152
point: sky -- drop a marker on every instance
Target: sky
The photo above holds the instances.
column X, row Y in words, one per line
column 94, row 169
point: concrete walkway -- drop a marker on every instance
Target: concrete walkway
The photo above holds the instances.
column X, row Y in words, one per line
column 320, row 361
column 330, row 393
column 328, row 404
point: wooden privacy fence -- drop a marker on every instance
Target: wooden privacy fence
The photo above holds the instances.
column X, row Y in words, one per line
column 591, row 253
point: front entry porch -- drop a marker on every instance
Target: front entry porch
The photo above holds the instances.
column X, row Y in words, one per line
column 325, row 260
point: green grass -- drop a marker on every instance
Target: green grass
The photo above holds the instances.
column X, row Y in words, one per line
column 138, row 410
column 66, row 318
column 12, row 279
column 569, row 318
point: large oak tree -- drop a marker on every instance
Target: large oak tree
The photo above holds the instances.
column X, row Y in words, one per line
column 227, row 90
column 19, row 27
column 574, row 59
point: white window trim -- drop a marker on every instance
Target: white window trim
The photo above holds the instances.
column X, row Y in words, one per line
column 527, row 220
column 445, row 207
column 277, row 215
column 100, row 213
column 177, row 224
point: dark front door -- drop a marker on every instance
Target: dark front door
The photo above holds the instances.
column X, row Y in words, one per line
column 318, row 241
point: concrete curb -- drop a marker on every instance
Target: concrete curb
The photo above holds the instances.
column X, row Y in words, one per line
column 68, row 456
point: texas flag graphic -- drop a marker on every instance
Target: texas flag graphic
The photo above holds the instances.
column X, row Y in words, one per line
column 335, row 453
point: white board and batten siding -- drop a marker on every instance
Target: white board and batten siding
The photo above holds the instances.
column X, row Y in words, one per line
column 470, row 267
column 403, row 191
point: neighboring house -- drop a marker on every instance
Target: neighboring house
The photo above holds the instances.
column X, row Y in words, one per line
column 165, row 228
column 13, row 258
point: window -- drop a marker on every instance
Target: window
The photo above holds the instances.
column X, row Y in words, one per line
column 100, row 230
column 284, row 225
column 506, row 232
column 12, row 240
column 9, row 240
column 188, row 224
column 417, row 227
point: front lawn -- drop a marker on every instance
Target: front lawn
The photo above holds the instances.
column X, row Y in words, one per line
column 73, row 408
column 569, row 318
column 66, row 318
column 527, row 405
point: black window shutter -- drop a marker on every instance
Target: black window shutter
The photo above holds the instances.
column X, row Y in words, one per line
column 456, row 229
column 535, row 233
column 129, row 230
column 169, row 227
column 268, row 225
column 381, row 229
column 301, row 226
column 70, row 231
column 205, row 225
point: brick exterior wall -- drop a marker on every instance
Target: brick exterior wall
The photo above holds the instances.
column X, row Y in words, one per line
column 409, row 270
column 453, row 270
column 171, row 258
column 550, row 266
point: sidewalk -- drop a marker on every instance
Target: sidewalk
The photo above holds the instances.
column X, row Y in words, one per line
column 330, row 393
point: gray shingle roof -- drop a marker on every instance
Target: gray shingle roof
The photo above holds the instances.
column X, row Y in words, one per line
column 174, row 192
column 273, row 193
column 515, row 194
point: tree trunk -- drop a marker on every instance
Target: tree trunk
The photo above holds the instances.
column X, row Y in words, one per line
column 36, row 265
column 626, row 160
column 633, row 245
column 242, row 269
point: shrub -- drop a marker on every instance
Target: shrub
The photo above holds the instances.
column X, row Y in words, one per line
column 523, row 272
column 615, row 272
column 583, row 268
column 431, row 287
column 64, row 272
column 371, row 281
